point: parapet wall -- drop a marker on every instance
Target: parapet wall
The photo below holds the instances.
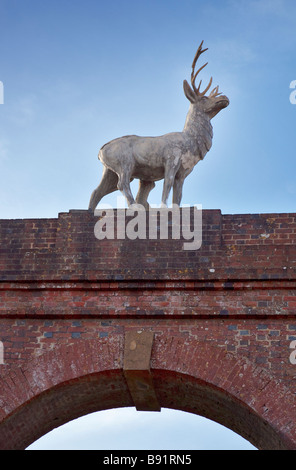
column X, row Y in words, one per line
column 256, row 246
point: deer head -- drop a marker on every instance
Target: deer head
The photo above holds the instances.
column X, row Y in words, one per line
column 210, row 105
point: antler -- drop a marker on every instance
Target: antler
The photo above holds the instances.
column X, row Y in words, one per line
column 215, row 91
column 194, row 74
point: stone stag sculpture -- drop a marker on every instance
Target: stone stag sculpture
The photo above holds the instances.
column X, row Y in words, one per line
column 171, row 157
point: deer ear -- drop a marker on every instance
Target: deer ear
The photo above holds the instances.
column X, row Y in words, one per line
column 189, row 93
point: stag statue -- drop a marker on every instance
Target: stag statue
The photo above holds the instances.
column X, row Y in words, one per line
column 171, row 157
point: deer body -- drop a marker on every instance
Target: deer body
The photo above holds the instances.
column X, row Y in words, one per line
column 171, row 157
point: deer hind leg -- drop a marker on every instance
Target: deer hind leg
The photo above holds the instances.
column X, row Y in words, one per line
column 107, row 185
column 124, row 187
column 144, row 189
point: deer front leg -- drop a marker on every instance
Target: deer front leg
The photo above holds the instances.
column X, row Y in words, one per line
column 177, row 190
column 169, row 178
column 178, row 185
column 167, row 186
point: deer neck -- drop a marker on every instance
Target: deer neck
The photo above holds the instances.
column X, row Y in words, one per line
column 199, row 129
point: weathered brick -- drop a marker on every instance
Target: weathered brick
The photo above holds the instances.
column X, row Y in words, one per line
column 222, row 317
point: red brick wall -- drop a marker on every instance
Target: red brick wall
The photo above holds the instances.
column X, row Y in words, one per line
column 223, row 319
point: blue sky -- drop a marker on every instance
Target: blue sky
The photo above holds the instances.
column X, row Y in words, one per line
column 127, row 429
column 77, row 74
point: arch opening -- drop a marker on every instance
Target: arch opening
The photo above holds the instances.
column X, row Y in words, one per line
column 129, row 429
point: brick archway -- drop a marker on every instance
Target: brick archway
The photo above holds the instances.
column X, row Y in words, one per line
column 223, row 319
column 71, row 381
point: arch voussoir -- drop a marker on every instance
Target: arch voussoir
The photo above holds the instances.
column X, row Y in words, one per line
column 256, row 405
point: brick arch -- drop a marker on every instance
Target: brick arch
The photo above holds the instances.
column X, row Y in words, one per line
column 72, row 380
column 209, row 381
